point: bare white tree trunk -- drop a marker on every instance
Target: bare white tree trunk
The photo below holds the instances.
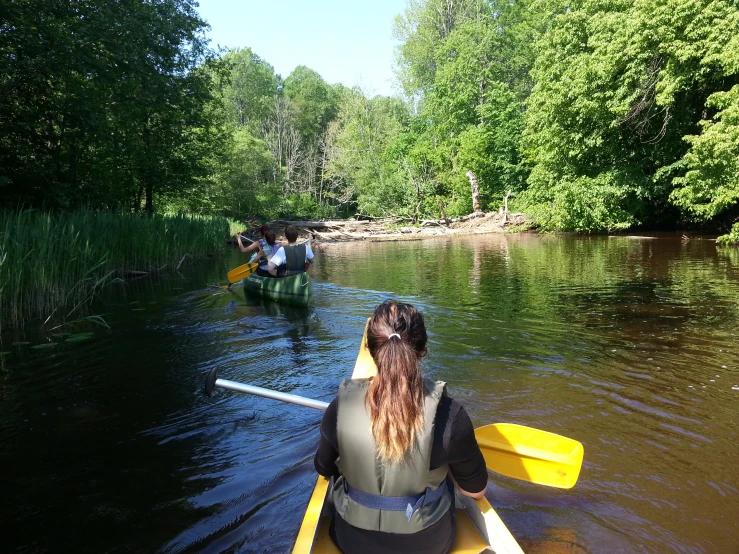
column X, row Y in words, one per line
column 475, row 192
column 309, row 169
column 323, row 148
column 275, row 133
column 292, row 156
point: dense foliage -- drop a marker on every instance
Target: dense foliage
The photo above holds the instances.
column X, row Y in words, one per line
column 102, row 103
column 591, row 115
column 626, row 121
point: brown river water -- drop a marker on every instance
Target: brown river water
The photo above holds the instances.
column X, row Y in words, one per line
column 628, row 344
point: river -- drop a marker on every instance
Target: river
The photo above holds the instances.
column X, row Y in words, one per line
column 628, row 344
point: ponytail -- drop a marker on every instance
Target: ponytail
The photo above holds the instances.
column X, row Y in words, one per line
column 396, row 338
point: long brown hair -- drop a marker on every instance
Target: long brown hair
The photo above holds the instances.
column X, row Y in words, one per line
column 396, row 338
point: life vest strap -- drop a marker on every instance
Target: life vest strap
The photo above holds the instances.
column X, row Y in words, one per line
column 407, row 504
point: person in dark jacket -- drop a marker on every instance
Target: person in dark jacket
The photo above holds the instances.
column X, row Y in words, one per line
column 397, row 446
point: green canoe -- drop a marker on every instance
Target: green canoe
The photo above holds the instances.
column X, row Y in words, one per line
column 296, row 290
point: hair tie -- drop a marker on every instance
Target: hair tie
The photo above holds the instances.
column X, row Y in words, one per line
column 394, row 335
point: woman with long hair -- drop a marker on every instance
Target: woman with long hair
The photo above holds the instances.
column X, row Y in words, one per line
column 262, row 249
column 266, row 248
column 397, row 446
column 257, row 246
column 292, row 258
column 267, row 253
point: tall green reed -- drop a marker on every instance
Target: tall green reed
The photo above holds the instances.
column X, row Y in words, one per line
column 53, row 264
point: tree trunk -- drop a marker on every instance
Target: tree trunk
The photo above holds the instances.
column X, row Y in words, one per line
column 475, row 192
column 443, row 213
column 149, row 199
column 139, row 194
column 419, row 192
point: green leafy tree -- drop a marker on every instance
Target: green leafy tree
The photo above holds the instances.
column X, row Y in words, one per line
column 358, row 169
column 251, row 89
column 710, row 185
column 618, row 86
column 467, row 63
column 421, row 28
column 314, row 102
column 102, row 103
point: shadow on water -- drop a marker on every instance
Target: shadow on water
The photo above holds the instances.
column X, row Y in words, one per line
column 627, row 345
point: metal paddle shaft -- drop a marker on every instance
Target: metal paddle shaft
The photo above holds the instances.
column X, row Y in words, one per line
column 513, row 450
column 212, row 381
column 252, row 241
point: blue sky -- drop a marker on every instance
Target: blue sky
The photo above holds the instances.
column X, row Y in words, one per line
column 346, row 41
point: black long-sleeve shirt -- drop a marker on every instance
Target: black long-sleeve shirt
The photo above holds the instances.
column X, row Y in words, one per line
column 454, row 444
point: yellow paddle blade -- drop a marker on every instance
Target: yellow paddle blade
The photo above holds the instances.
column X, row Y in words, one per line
column 241, row 272
column 530, row 454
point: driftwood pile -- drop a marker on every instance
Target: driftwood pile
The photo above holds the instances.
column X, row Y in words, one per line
column 393, row 228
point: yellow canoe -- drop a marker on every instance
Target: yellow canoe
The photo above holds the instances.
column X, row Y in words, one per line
column 479, row 529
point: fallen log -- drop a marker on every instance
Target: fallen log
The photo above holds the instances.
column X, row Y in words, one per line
column 132, row 273
column 319, row 224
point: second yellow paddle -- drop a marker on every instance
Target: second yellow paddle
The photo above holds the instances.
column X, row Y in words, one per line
column 530, row 454
column 241, row 272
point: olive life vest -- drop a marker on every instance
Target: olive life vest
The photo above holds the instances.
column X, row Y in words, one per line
column 294, row 259
column 368, row 487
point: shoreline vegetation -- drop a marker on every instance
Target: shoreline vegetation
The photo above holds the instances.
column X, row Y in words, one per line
column 126, row 108
column 53, row 264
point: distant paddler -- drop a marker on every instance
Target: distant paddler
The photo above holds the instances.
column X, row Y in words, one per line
column 263, row 249
column 292, row 258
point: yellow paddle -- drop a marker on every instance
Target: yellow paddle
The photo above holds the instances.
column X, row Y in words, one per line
column 241, row 272
column 530, row 454
column 238, row 273
column 513, row 450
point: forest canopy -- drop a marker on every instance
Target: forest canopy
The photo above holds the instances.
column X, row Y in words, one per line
column 591, row 115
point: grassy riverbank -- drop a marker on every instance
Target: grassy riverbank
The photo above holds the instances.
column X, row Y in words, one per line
column 51, row 265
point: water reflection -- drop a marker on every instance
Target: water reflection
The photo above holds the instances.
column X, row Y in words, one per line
column 626, row 344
